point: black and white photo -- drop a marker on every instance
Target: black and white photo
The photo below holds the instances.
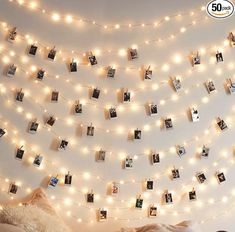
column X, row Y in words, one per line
column 137, row 134
column 155, row 158
column 103, row 214
column 175, row 174
column 111, row 72
column 195, row 115
column 128, row 163
column 148, row 73
column 231, row 86
column 13, row 188
column 54, row 96
column 73, row 66
column 210, row 86
column 40, row 74
column 133, row 54
column 220, row 177
column 180, row 150
column 112, row 112
column 168, row 198
column 192, row 195
column 92, row 59
column 11, row 70
column 205, row 152
column 33, row 50
column 114, row 188
column 37, row 160
column 139, row 203
column 90, row 130
column 126, row 96
column 95, row 94
column 2, row 132
column 12, row 34
column 221, row 124
column 100, row 156
column 63, row 145
column 78, row 108
column 196, row 59
column 201, row 177
column 219, row 57
column 20, row 153
column 149, row 185
column 153, row 109
column 20, row 95
column 68, row 179
column 52, row 53
column 90, row 197
column 33, row 127
column 176, row 83
column 51, row 121
column 152, row 211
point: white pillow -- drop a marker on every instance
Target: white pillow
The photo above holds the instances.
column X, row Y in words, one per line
column 10, row 228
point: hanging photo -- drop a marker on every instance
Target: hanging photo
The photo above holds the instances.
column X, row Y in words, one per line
column 51, row 121
column 52, row 54
column 175, row 174
column 11, row 70
column 210, row 86
column 33, row 127
column 114, row 188
column 149, row 185
column 155, row 158
column 176, row 83
column 103, row 214
column 205, row 151
column 111, row 72
column 12, row 34
column 192, row 195
column 90, row 130
column 112, row 112
column 92, row 59
column 63, row 145
column 133, row 54
column 40, row 74
column 201, row 177
column 139, row 203
column 2, row 132
column 20, row 96
column 231, row 38
column 78, row 108
column 54, row 96
column 37, row 160
column 128, row 163
column 195, row 115
column 219, row 57
column 222, row 125
column 231, row 86
column 90, row 197
column 168, row 198
column 73, row 66
column 126, row 96
column 33, row 50
column 13, row 188
column 196, row 59
column 220, row 177
column 95, row 94
column 68, row 179
column 168, row 123
column 148, row 74
column 100, row 156
column 153, row 109
column 152, row 211
column 180, row 150
column 19, row 153
column 53, row 181
column 137, row 134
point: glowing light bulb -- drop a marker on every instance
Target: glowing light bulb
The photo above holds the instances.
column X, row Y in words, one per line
column 55, row 17
column 69, row 19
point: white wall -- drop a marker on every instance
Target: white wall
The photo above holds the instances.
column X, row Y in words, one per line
column 86, row 38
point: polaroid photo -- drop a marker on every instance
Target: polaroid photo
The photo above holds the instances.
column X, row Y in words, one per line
column 176, row 83
column 2, row 132
column 133, row 54
column 37, row 160
column 114, row 188
column 78, row 108
column 11, row 70
column 51, row 121
column 33, row 127
column 95, row 94
column 196, row 59
column 40, row 74
column 53, row 181
column 112, row 112
column 168, row 123
column 101, row 155
column 152, row 211
column 155, row 158
column 33, row 50
column 139, row 203
column 68, row 179
column 201, row 177
column 20, row 96
column 128, row 163
column 92, row 59
column 221, row 124
column 126, row 96
column 137, row 134
column 12, row 34
column 175, row 174
column 220, row 177
column 54, row 96
column 180, row 150
column 73, row 66
column 90, row 197
column 13, row 188
column 205, row 152
column 19, row 153
column 149, row 185
column 148, row 74
column 63, row 145
column 210, row 86
column 231, row 39
column 168, row 198
column 90, row 130
column 111, row 72
column 219, row 57
column 103, row 214
column 231, row 86
column 52, row 53
column 192, row 195
column 153, row 110
column 195, row 115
